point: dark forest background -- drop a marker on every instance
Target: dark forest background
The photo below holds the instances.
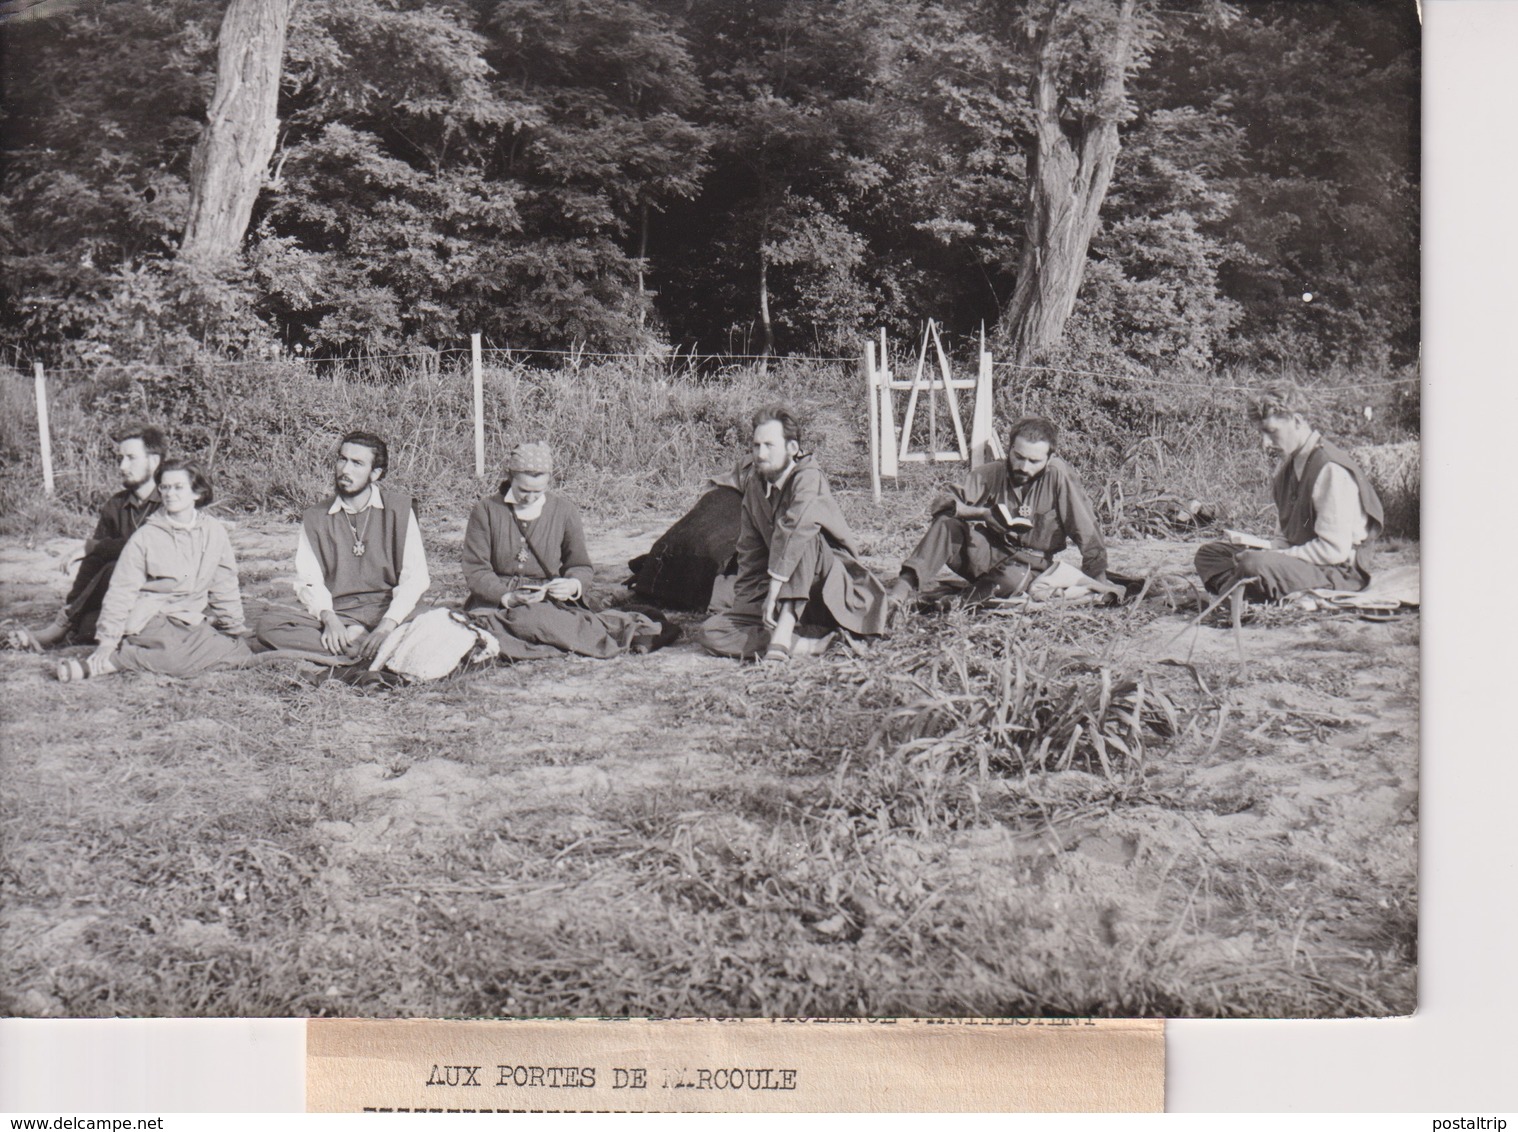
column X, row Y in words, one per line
column 641, row 175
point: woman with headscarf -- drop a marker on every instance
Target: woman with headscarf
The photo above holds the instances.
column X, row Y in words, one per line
column 528, row 572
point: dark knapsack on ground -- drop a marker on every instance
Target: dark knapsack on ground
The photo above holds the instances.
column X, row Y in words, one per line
column 679, row 571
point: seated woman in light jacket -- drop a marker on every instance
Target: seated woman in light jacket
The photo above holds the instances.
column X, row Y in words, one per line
column 173, row 606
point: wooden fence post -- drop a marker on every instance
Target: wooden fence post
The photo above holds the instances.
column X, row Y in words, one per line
column 44, row 433
column 479, row 406
column 867, row 363
column 888, row 440
column 984, row 445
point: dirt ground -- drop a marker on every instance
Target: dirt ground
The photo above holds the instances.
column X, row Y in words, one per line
column 577, row 837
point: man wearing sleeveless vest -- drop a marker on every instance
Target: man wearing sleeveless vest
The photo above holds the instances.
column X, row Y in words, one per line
column 359, row 563
column 1330, row 514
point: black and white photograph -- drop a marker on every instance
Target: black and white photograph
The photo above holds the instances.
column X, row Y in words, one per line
column 741, row 508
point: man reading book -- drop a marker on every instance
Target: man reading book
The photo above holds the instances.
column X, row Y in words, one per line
column 1002, row 525
column 1329, row 514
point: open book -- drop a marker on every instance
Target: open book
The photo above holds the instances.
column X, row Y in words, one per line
column 1011, row 520
column 1248, row 541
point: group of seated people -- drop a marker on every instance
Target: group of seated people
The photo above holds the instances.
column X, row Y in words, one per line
column 157, row 589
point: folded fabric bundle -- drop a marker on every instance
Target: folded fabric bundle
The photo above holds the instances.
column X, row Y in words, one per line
column 1389, row 589
column 1062, row 580
column 1064, row 583
column 433, row 645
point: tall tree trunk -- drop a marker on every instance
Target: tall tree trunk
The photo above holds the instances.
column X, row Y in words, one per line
column 1069, row 168
column 766, row 328
column 230, row 160
column 642, row 261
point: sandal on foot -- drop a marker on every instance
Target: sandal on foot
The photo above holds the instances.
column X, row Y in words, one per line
column 812, row 646
column 20, row 640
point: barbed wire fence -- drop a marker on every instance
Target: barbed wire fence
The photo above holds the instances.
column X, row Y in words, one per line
column 470, row 360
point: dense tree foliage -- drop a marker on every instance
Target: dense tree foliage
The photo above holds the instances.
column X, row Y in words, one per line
column 732, row 175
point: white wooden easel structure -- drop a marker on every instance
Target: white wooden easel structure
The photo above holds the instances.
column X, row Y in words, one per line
column 890, row 448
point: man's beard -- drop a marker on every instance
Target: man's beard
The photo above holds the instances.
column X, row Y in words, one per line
column 773, row 476
column 345, row 494
column 134, row 484
column 1022, row 479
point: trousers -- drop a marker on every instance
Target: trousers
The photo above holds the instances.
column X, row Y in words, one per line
column 964, row 548
column 284, row 628
column 81, row 610
column 1222, row 564
column 739, row 631
column 172, row 649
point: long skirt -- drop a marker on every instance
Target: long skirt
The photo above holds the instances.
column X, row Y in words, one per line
column 172, row 649
column 547, row 628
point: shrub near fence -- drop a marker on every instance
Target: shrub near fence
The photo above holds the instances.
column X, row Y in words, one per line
column 628, row 436
column 625, row 437
column 1140, row 439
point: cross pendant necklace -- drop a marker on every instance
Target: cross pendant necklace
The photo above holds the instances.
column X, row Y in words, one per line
column 358, row 536
column 524, row 551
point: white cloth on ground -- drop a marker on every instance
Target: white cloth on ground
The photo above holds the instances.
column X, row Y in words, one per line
column 1064, row 580
column 433, row 645
column 1388, row 589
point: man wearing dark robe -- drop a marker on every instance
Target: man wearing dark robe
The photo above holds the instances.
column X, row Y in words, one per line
column 798, row 562
column 139, row 450
column 1329, row 513
column 1002, row 525
column 360, row 568
column 528, row 572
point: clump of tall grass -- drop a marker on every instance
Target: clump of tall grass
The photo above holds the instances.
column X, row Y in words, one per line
column 1396, row 472
column 977, row 703
column 626, row 437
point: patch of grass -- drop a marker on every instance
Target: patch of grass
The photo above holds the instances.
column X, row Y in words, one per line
column 966, row 692
column 883, row 833
column 628, row 437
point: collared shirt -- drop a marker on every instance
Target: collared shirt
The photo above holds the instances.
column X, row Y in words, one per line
column 182, row 571
column 120, row 517
column 1339, row 520
column 528, row 513
column 311, row 584
column 772, row 490
column 777, row 485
